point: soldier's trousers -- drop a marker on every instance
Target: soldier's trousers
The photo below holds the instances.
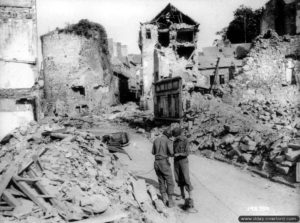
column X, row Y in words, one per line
column 164, row 174
column 182, row 173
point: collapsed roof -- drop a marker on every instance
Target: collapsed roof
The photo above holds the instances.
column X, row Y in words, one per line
column 170, row 14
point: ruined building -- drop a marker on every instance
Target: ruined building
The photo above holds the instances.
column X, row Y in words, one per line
column 77, row 70
column 168, row 43
column 283, row 16
column 18, row 64
column 125, row 71
column 229, row 64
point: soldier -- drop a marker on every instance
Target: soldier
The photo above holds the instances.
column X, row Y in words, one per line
column 162, row 150
column 181, row 163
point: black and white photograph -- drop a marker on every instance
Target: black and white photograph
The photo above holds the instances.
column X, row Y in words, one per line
column 149, row 111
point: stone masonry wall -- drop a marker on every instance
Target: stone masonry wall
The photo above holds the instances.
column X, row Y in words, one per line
column 75, row 81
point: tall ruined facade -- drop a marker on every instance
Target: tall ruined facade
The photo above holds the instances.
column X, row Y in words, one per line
column 18, row 64
column 283, row 16
column 167, row 40
column 77, row 70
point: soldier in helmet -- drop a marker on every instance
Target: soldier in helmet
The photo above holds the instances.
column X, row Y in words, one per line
column 181, row 162
column 162, row 150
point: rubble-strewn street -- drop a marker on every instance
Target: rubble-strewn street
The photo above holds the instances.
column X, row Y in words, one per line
column 70, row 175
column 215, row 202
column 177, row 127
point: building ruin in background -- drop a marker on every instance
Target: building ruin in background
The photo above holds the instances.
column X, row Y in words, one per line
column 230, row 63
column 18, row 64
column 283, row 16
column 168, row 43
column 77, row 70
column 126, row 69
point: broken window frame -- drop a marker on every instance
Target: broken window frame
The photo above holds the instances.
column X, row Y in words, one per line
column 78, row 89
column 148, row 34
column 186, row 55
column 222, row 79
column 188, row 38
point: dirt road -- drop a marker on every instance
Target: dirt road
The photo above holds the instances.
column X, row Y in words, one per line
column 221, row 192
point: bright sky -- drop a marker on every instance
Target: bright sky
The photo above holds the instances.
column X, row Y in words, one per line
column 121, row 18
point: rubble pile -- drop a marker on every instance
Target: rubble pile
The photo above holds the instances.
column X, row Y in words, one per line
column 257, row 120
column 50, row 173
column 263, row 136
column 265, row 64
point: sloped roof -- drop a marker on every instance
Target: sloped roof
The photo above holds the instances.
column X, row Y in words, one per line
column 209, row 62
column 208, row 58
column 174, row 15
column 135, row 58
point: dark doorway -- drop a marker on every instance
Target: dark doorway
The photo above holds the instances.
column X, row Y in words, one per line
column 164, row 38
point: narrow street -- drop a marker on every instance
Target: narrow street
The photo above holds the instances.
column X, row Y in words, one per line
column 221, row 192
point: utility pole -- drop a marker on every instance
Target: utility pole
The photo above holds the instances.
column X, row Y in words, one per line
column 245, row 36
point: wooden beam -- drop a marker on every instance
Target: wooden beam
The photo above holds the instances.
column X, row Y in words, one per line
column 6, row 208
column 31, row 162
column 15, row 192
column 33, row 195
column 62, row 210
column 29, row 180
column 10, row 199
column 298, row 172
column 6, row 178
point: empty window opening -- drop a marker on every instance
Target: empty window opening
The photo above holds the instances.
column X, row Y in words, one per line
column 164, row 38
column 148, row 34
column 212, row 79
column 185, row 52
column 185, row 36
column 29, row 101
column 79, row 89
column 222, row 79
column 156, row 76
column 82, row 109
column 78, row 109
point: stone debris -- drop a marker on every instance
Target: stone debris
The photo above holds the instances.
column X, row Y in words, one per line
column 53, row 173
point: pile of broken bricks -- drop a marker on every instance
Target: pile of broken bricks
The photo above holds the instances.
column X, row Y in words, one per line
column 49, row 173
column 242, row 139
column 224, row 132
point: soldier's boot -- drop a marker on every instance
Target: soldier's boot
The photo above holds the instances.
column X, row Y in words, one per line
column 171, row 202
column 164, row 198
column 182, row 193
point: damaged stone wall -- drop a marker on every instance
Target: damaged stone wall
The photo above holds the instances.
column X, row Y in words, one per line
column 298, row 17
column 267, row 71
column 77, row 70
column 18, row 63
column 148, row 36
column 266, row 64
column 168, row 44
column 281, row 16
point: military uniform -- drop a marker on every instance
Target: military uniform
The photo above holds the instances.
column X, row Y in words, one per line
column 162, row 149
column 181, row 164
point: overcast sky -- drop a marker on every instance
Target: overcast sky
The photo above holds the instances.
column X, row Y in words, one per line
column 121, row 18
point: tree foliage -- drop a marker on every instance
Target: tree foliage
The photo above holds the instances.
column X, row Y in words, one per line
column 244, row 27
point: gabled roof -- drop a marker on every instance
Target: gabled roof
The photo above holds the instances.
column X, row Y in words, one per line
column 209, row 62
column 175, row 16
